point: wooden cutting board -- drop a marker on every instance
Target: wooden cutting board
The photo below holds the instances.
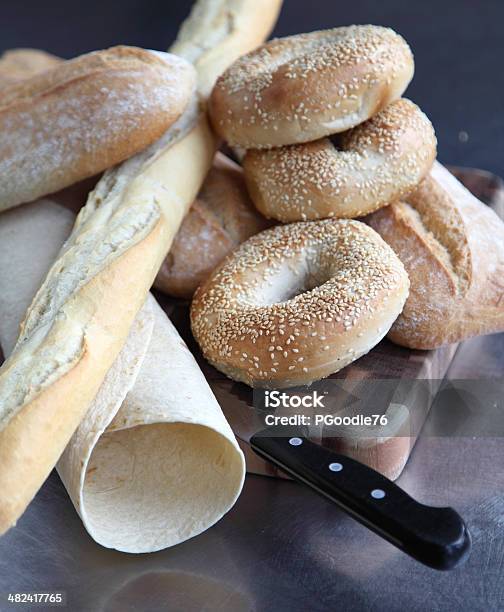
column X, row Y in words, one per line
column 398, row 395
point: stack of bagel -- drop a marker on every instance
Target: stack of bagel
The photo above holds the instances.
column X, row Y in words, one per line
column 326, row 138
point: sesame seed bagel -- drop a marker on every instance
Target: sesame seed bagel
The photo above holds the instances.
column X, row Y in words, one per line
column 370, row 166
column 299, row 302
column 305, row 87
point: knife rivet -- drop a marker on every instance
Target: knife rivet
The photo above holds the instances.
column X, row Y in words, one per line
column 335, row 467
column 295, row 441
column 378, row 493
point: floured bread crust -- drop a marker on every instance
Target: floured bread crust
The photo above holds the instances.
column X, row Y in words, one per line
column 85, row 115
column 19, row 64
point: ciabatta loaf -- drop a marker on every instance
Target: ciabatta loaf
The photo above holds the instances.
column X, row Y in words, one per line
column 452, row 247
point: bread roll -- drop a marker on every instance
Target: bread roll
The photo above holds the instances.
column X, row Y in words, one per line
column 84, row 116
column 80, row 318
column 452, row 247
column 221, row 218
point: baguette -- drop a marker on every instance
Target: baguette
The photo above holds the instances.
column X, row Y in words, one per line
column 74, row 329
column 452, row 247
column 85, row 115
column 81, row 316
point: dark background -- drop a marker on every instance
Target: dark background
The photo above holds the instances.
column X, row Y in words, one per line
column 458, row 47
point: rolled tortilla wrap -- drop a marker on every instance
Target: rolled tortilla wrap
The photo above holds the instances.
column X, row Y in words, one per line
column 154, row 461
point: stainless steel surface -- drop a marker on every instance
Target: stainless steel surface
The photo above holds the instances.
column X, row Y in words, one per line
column 281, row 547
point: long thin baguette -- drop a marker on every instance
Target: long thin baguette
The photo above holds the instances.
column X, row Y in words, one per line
column 81, row 316
column 84, row 116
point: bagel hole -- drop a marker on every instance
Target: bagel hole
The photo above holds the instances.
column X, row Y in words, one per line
column 288, row 281
column 335, row 140
column 310, row 283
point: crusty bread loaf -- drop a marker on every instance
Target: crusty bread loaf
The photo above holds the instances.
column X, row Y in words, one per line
column 452, row 247
column 19, row 64
column 221, row 218
column 80, row 317
column 85, row 115
column 218, row 32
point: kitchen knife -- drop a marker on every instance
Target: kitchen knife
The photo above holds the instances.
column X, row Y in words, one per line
column 437, row 537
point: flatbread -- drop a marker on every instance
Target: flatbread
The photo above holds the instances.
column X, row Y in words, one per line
column 154, row 461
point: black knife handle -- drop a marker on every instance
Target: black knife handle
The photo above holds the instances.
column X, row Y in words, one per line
column 437, row 537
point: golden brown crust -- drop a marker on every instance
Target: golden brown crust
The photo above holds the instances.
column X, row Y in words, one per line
column 220, row 219
column 85, row 115
column 304, row 87
column 19, row 64
column 374, row 164
column 452, row 247
column 298, row 302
